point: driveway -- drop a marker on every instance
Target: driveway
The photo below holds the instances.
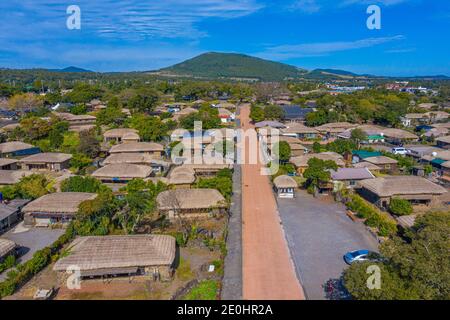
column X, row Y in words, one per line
column 319, row 233
column 32, row 240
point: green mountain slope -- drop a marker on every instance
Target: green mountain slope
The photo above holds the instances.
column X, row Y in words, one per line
column 232, row 66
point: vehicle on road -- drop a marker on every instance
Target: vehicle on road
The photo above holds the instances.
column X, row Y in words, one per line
column 400, row 151
column 361, row 256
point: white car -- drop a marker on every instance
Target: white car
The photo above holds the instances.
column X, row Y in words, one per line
column 401, row 151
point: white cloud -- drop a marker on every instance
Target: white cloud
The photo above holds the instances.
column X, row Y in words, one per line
column 313, row 6
column 284, row 52
column 135, row 19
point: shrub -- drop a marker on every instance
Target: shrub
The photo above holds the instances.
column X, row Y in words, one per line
column 373, row 216
column 400, row 207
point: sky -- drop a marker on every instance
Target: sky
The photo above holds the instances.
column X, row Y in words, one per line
column 140, row 35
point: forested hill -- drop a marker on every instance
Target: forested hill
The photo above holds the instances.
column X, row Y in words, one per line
column 233, row 66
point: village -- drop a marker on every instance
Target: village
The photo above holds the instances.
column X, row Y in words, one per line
column 100, row 188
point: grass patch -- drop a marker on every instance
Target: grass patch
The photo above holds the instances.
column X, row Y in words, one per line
column 205, row 290
column 184, row 271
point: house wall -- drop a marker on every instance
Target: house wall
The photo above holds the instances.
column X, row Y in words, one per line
column 47, row 166
column 443, row 145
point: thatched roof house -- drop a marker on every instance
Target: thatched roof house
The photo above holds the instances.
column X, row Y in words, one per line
column 122, row 173
column 9, row 177
column 17, row 149
column 284, row 181
column 443, row 142
column 150, row 148
column 295, row 129
column 8, row 164
column 368, row 165
column 387, row 165
column 157, row 165
column 53, row 161
column 73, row 119
column 121, row 135
column 301, row 162
column 335, row 127
column 6, row 248
column 191, row 203
column 182, row 176
column 121, row 255
column 53, row 208
column 418, row 190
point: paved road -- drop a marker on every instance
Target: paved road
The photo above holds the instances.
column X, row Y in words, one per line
column 319, row 233
column 268, row 271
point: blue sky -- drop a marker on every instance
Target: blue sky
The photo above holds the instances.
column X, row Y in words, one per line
column 142, row 35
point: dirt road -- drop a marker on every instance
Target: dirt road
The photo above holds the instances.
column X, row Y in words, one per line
column 268, row 271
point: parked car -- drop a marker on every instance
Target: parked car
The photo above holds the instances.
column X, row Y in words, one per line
column 361, row 256
column 401, row 151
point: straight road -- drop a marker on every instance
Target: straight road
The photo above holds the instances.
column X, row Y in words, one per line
column 268, row 270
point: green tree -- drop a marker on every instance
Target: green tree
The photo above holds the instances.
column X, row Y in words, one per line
column 317, row 172
column 257, row 114
column 400, row 207
column 82, row 184
column 416, row 266
column 32, row 187
column 358, row 136
column 282, row 151
column 80, row 161
column 145, row 100
column 273, row 112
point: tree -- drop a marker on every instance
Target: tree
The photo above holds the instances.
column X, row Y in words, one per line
column 316, row 118
column 34, row 128
column 358, row 136
column 82, row 184
column 317, row 148
column 25, row 102
column 150, row 128
column 145, row 100
column 257, row 114
column 112, row 114
column 56, row 139
column 83, row 93
column 282, row 151
column 400, row 207
column 317, row 172
column 416, row 266
column 89, row 145
column 140, row 201
column 208, row 116
column 32, row 187
column 80, row 161
column 273, row 112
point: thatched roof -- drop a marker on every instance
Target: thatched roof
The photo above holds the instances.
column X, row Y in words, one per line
column 60, row 202
column 445, row 139
column 72, row 117
column 137, row 147
column 335, row 127
column 124, row 170
column 190, row 199
column 80, row 128
column 134, row 158
column 119, row 132
column 270, row 124
column 106, row 252
column 182, row 175
column 367, row 165
column 47, row 157
column 398, row 134
column 13, row 146
column 351, row 174
column 297, row 128
column 7, row 161
column 284, row 182
column 401, row 185
column 6, row 246
column 302, row 161
column 12, row 176
column 381, row 160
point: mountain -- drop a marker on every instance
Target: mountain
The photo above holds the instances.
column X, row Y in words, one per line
column 70, row 69
column 215, row 65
